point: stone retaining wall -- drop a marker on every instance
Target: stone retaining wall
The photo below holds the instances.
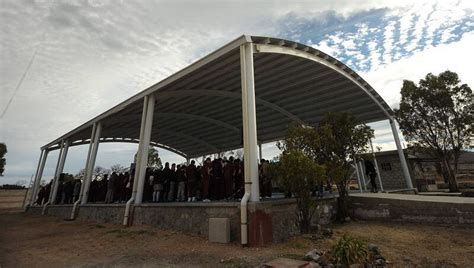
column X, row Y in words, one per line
column 192, row 218
column 269, row 221
column 284, row 217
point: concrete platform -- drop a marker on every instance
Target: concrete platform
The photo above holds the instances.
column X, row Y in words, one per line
column 418, row 197
column 271, row 220
column 413, row 208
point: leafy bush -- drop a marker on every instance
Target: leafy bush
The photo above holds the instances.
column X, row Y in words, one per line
column 12, row 187
column 349, row 250
column 298, row 174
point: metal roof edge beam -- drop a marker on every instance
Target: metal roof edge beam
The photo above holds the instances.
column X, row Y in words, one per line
column 266, row 48
column 190, row 68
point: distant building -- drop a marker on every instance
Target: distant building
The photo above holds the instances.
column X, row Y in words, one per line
column 425, row 171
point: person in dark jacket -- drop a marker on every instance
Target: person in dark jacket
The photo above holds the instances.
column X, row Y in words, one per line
column 181, row 172
column 111, row 183
column 191, row 175
column 229, row 178
column 372, row 173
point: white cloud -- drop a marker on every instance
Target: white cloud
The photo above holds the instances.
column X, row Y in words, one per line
column 456, row 57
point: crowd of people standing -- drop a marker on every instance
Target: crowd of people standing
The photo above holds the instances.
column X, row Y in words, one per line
column 219, row 179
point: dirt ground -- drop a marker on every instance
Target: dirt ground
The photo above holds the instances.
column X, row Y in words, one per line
column 41, row 241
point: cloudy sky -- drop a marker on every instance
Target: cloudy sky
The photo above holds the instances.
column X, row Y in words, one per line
column 64, row 62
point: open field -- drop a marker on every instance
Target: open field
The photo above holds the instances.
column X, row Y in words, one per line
column 28, row 240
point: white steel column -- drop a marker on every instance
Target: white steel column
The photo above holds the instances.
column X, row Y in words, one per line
column 145, row 145
column 54, row 185
column 140, row 145
column 61, row 167
column 91, row 164
column 249, row 122
column 43, row 164
column 401, row 155
column 358, row 176
column 376, row 165
column 36, row 182
column 362, row 175
column 86, row 168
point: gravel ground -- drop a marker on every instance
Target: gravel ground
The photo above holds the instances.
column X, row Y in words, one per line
column 39, row 241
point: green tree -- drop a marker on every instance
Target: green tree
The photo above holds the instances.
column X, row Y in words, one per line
column 154, row 160
column 436, row 117
column 3, row 161
column 117, row 168
column 299, row 174
column 335, row 143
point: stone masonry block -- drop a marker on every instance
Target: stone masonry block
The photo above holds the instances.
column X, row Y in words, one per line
column 219, row 230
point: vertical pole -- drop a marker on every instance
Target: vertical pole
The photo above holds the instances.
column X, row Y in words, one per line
column 260, row 153
column 358, row 176
column 362, row 175
column 376, row 166
column 249, row 121
column 140, row 146
column 60, row 169
column 91, row 164
column 54, row 186
column 43, row 163
column 86, row 168
column 401, row 155
column 145, row 143
column 36, row 183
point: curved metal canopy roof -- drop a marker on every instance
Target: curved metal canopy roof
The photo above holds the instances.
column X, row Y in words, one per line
column 198, row 110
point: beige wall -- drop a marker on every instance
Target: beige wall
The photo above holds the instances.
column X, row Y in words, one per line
column 12, row 199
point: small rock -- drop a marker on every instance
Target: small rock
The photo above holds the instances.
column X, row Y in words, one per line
column 327, row 232
column 379, row 257
column 373, row 248
column 323, row 261
column 379, row 262
column 313, row 255
column 347, row 219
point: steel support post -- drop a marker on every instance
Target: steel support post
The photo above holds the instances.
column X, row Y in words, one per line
column 362, row 175
column 43, row 164
column 260, row 153
column 249, row 121
column 86, row 168
column 91, row 163
column 401, row 155
column 145, row 145
column 376, row 166
column 358, row 176
column 136, row 174
column 54, row 186
column 62, row 161
column 36, row 183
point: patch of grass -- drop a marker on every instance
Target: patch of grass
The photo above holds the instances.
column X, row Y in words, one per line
column 126, row 232
column 291, row 256
column 99, row 226
column 349, row 250
column 235, row 262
